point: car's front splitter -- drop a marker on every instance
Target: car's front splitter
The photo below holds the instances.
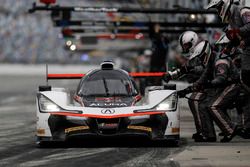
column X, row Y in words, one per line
column 153, row 127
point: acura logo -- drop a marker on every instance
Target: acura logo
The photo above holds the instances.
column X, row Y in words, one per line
column 108, row 111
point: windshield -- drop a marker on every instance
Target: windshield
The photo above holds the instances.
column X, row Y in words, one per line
column 106, row 87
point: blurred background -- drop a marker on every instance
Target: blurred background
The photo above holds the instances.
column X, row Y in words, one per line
column 129, row 39
column 34, row 38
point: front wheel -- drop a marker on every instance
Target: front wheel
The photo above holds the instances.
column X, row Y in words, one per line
column 46, row 142
column 42, row 144
column 176, row 143
column 50, row 144
column 171, row 143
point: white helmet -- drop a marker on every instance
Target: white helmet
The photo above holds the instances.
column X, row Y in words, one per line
column 188, row 40
column 223, row 40
column 203, row 51
column 223, row 7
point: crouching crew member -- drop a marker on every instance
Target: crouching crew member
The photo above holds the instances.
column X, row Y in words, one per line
column 238, row 18
column 219, row 80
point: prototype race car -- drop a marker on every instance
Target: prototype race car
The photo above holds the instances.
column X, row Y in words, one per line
column 107, row 103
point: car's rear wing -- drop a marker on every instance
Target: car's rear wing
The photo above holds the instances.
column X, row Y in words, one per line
column 132, row 74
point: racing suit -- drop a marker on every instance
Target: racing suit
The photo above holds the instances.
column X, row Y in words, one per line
column 240, row 19
column 192, row 73
column 219, row 79
column 159, row 56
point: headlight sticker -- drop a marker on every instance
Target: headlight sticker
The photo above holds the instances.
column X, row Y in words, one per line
column 143, row 128
column 47, row 105
column 168, row 104
column 77, row 128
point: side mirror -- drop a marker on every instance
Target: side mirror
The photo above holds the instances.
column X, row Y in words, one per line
column 170, row 87
column 44, row 88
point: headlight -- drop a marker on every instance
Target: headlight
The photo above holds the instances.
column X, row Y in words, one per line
column 169, row 104
column 47, row 105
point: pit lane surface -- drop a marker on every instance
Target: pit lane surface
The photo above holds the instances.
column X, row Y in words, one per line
column 17, row 139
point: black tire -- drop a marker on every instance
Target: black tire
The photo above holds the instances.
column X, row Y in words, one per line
column 42, row 144
column 50, row 144
column 176, row 143
column 171, row 143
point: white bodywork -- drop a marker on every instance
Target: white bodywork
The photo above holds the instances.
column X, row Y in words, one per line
column 60, row 97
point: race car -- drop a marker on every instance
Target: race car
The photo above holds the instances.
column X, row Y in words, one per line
column 106, row 103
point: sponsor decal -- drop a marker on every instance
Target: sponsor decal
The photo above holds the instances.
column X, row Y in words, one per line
column 143, row 128
column 40, row 132
column 175, row 130
column 77, row 128
column 109, row 99
column 108, row 105
column 108, row 125
column 108, row 111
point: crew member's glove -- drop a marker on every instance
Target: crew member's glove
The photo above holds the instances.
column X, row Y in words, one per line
column 181, row 93
column 184, row 92
column 167, row 77
column 233, row 34
column 226, row 52
column 223, row 55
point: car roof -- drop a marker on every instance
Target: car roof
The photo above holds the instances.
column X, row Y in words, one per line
column 107, row 74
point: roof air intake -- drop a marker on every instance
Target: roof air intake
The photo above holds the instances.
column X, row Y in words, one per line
column 107, row 65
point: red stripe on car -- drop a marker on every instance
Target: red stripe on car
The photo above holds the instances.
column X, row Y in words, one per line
column 79, row 76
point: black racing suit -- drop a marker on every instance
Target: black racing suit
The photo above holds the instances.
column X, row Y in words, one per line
column 219, row 81
column 192, row 73
column 159, row 56
column 241, row 19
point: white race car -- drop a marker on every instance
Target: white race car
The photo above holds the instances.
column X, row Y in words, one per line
column 107, row 103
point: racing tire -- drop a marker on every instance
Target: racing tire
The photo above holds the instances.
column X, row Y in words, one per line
column 42, row 144
column 49, row 144
column 171, row 143
column 176, row 143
